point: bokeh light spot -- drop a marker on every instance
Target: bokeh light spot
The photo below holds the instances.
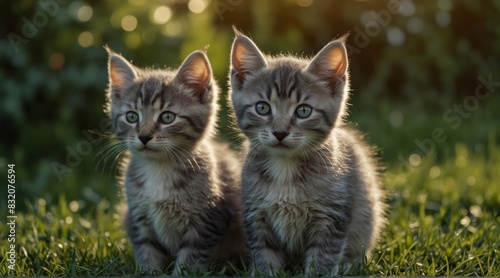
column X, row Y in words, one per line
column 129, row 23
column 173, row 28
column 56, row 61
column 304, row 3
column 415, row 159
column 396, row 118
column 434, row 172
column 443, row 19
column 471, row 181
column 74, row 206
column 85, row 39
column 395, row 36
column 407, row 8
column 84, row 13
column 476, row 210
column 162, row 15
column 197, row 6
column 465, row 221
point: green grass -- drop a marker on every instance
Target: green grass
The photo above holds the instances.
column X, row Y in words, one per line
column 443, row 220
column 444, row 212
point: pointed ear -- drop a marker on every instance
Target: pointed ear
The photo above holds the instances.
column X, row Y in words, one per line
column 196, row 74
column 120, row 72
column 330, row 64
column 246, row 59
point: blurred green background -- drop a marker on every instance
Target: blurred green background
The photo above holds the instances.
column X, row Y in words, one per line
column 416, row 71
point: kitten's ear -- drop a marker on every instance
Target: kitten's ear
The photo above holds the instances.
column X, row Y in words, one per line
column 120, row 72
column 246, row 59
column 196, row 74
column 330, row 64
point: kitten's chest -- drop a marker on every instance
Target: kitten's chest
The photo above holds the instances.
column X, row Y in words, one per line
column 289, row 222
column 291, row 198
column 154, row 183
column 172, row 221
column 287, row 211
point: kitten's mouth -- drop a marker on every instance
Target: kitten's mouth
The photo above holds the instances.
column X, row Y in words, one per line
column 280, row 146
column 146, row 149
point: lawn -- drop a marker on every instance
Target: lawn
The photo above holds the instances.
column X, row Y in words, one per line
column 443, row 208
column 425, row 90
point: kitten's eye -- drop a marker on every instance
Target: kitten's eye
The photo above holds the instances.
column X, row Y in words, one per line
column 262, row 108
column 132, row 117
column 303, row 111
column 167, row 117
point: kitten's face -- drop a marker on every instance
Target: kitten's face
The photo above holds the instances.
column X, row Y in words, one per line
column 161, row 114
column 285, row 105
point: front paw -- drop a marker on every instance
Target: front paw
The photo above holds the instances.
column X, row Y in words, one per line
column 151, row 268
column 266, row 262
column 151, row 260
column 314, row 269
column 179, row 270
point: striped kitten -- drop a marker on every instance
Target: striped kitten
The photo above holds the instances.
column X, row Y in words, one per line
column 311, row 194
column 182, row 187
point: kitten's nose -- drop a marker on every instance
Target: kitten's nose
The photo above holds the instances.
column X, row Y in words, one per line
column 280, row 135
column 145, row 138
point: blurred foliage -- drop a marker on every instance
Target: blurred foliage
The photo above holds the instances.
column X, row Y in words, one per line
column 408, row 67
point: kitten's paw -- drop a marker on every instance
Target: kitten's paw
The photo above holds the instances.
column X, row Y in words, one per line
column 313, row 271
column 178, row 271
column 264, row 273
column 150, row 268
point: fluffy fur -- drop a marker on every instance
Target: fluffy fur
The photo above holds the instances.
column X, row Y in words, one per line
column 182, row 187
column 311, row 193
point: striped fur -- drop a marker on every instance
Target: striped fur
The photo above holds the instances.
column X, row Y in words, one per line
column 183, row 188
column 313, row 198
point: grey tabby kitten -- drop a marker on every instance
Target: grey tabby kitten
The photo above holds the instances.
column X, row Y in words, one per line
column 183, row 188
column 311, row 193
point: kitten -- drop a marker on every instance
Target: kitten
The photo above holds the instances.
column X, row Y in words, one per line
column 311, row 193
column 182, row 188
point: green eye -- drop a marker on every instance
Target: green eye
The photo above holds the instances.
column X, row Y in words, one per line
column 132, row 117
column 167, row 117
column 303, row 111
column 262, row 108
